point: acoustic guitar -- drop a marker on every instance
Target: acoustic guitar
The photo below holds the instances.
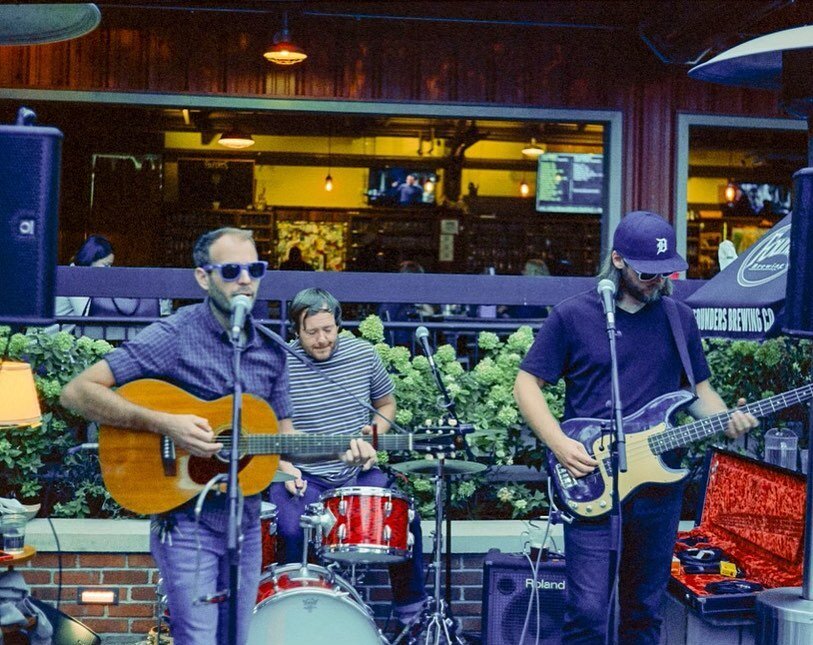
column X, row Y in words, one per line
column 145, row 473
column 649, row 434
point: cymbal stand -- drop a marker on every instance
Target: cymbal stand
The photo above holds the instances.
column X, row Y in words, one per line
column 434, row 624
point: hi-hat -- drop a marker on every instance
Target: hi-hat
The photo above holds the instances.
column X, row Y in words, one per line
column 426, row 467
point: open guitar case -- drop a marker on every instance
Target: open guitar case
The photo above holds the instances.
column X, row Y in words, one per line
column 754, row 513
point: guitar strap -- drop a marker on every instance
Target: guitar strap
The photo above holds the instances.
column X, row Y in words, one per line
column 680, row 339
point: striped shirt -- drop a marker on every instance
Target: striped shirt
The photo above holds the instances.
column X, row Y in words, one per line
column 322, row 407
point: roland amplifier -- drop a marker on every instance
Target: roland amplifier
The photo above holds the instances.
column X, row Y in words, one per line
column 508, row 582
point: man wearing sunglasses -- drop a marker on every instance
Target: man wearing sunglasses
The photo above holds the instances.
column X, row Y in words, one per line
column 572, row 344
column 193, row 350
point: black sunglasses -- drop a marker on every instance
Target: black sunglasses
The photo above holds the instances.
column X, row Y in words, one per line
column 230, row 271
column 647, row 277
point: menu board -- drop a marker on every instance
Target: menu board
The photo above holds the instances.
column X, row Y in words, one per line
column 569, row 182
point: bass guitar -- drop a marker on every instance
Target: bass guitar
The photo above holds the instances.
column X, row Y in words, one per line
column 649, row 434
column 145, row 473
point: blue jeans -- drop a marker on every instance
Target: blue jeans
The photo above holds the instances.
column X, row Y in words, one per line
column 406, row 578
column 650, row 520
column 177, row 562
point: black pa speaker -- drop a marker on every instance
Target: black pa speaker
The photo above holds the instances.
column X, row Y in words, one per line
column 508, row 582
column 30, row 159
column 799, row 293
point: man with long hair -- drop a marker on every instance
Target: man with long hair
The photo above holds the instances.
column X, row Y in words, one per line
column 572, row 344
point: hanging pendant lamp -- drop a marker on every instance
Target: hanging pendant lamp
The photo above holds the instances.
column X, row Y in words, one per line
column 284, row 51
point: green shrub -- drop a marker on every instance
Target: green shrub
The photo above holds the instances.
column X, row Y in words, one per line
column 483, row 397
column 74, row 487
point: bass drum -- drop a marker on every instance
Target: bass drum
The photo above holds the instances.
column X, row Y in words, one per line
column 319, row 607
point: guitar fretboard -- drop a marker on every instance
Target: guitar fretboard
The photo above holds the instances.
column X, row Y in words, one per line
column 700, row 429
column 311, row 444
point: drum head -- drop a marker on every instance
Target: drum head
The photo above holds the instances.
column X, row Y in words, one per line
column 311, row 615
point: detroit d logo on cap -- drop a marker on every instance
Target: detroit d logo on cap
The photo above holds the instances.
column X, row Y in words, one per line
column 661, row 245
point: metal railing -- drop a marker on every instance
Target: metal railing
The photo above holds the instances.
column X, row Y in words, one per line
column 279, row 287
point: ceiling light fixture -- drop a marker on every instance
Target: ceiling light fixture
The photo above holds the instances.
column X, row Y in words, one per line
column 524, row 188
column 284, row 51
column 235, row 139
column 533, row 149
column 328, row 178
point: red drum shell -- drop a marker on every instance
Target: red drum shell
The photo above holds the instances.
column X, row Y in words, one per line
column 371, row 525
column 268, row 528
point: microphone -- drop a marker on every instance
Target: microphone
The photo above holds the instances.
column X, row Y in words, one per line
column 606, row 289
column 240, row 306
column 422, row 336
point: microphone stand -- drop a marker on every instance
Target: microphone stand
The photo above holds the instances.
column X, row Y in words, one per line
column 618, row 465
column 234, row 493
column 449, row 404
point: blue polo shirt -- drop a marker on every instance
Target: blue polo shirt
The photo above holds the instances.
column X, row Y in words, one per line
column 572, row 344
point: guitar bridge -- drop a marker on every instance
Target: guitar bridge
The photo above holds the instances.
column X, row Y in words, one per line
column 168, row 457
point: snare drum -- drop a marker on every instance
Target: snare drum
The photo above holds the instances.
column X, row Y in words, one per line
column 319, row 607
column 268, row 528
column 367, row 524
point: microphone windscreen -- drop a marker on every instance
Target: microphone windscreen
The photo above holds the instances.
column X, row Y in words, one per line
column 421, row 332
column 240, row 300
column 606, row 285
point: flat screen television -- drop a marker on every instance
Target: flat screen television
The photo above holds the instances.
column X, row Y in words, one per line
column 765, row 199
column 570, row 182
column 402, row 187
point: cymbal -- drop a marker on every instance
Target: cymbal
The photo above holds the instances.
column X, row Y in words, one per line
column 280, row 476
column 428, row 468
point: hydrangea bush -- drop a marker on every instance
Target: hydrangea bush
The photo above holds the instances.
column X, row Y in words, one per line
column 35, row 463
column 36, row 467
column 483, row 397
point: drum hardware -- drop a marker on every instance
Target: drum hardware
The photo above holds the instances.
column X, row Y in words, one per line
column 161, row 605
column 434, row 623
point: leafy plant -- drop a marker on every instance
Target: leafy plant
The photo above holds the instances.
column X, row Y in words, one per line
column 483, row 397
column 36, row 466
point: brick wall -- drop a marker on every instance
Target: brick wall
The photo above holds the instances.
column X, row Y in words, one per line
column 135, row 577
column 133, row 574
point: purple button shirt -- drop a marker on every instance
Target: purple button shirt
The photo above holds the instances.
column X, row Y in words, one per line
column 192, row 350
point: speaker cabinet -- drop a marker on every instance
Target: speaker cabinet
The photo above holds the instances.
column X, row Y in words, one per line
column 799, row 300
column 30, row 159
column 508, row 581
column 67, row 630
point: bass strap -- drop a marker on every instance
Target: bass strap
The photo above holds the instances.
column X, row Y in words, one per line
column 680, row 339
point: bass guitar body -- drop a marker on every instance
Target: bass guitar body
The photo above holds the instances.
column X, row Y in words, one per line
column 591, row 496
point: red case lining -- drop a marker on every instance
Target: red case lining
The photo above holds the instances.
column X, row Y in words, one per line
column 755, row 513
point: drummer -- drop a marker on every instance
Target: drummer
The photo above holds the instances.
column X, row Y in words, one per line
column 321, row 406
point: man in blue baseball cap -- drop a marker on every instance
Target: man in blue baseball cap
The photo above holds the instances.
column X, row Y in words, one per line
column 659, row 352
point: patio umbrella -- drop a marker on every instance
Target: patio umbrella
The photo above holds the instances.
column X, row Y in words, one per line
column 746, row 300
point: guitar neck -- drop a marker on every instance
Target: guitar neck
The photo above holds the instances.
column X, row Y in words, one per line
column 312, row 444
column 701, row 428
